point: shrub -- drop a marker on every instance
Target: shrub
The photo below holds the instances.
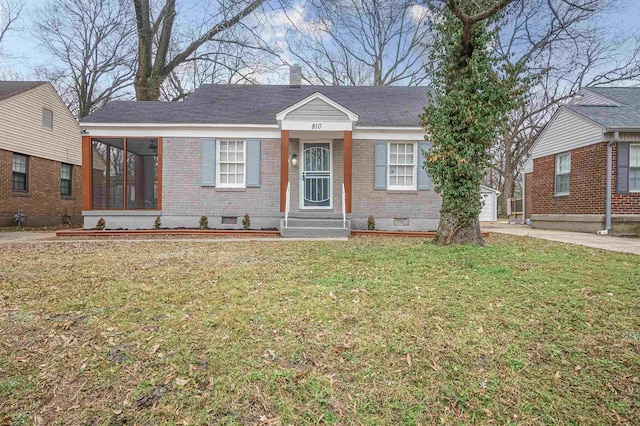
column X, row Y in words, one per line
column 157, row 223
column 204, row 222
column 101, row 224
column 246, row 221
column 371, row 223
column 66, row 218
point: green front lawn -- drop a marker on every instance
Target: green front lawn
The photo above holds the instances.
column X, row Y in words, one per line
column 370, row 331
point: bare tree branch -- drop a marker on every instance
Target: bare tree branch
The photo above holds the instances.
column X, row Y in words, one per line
column 93, row 41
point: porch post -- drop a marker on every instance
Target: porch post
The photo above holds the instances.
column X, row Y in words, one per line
column 284, row 168
column 87, row 170
column 348, row 169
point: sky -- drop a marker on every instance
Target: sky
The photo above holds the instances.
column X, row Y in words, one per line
column 23, row 54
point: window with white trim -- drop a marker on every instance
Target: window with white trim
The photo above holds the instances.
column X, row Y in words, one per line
column 402, row 170
column 563, row 171
column 634, row 168
column 231, row 167
column 47, row 118
column 65, row 179
column 20, row 173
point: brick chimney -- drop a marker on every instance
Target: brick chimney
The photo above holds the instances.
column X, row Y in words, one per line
column 295, row 76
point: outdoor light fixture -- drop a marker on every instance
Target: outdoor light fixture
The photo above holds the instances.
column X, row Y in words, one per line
column 294, row 159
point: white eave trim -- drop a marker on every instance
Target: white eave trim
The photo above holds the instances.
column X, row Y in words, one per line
column 181, row 125
column 353, row 117
column 488, row 188
column 391, row 128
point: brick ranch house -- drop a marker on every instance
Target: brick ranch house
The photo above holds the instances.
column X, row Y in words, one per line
column 584, row 170
column 323, row 156
column 40, row 155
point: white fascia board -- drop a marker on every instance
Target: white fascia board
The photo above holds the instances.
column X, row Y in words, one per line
column 184, row 131
column 353, row 117
column 318, row 126
column 179, row 125
column 488, row 188
column 389, row 133
column 392, row 128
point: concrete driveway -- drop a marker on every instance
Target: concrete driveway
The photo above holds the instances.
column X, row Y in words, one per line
column 21, row 236
column 620, row 244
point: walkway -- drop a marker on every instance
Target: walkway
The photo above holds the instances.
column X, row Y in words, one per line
column 620, row 244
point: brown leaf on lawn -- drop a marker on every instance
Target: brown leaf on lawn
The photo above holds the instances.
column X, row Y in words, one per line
column 154, row 349
column 578, row 368
column 409, row 363
column 557, row 375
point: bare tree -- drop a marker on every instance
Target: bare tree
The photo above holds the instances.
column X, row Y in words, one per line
column 229, row 63
column 559, row 47
column 10, row 11
column 165, row 42
column 358, row 42
column 94, row 42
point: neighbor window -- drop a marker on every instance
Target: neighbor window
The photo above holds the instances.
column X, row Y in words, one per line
column 47, row 118
column 402, row 166
column 20, row 176
column 65, row 179
column 124, row 173
column 634, row 168
column 563, row 170
column 231, row 164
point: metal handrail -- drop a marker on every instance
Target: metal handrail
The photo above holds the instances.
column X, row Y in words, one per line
column 288, row 205
column 344, row 208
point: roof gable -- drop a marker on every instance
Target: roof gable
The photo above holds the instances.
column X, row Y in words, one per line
column 12, row 88
column 315, row 104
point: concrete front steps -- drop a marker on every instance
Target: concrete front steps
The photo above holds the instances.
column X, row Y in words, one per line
column 314, row 226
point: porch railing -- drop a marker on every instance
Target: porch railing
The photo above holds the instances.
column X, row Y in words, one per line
column 344, row 208
column 287, row 207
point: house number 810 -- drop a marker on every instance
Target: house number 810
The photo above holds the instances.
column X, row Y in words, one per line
column 316, row 126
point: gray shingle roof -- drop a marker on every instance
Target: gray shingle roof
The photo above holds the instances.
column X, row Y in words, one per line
column 12, row 88
column 625, row 115
column 396, row 106
column 625, row 95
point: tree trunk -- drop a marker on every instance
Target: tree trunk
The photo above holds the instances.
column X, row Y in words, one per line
column 507, row 189
column 147, row 88
column 508, row 176
column 449, row 232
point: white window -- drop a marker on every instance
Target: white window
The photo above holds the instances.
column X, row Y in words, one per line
column 634, row 168
column 402, row 166
column 20, row 173
column 47, row 118
column 65, row 179
column 231, row 164
column 563, row 171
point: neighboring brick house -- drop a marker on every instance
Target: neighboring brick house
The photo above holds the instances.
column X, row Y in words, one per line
column 40, row 155
column 566, row 175
column 265, row 150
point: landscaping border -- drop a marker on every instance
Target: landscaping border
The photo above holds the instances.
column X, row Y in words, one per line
column 420, row 234
column 179, row 232
column 226, row 232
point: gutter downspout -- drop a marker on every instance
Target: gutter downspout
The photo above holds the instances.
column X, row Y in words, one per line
column 607, row 208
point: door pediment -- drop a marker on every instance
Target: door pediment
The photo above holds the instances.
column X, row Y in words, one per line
column 317, row 113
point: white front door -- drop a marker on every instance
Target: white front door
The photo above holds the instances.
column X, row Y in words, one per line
column 316, row 189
